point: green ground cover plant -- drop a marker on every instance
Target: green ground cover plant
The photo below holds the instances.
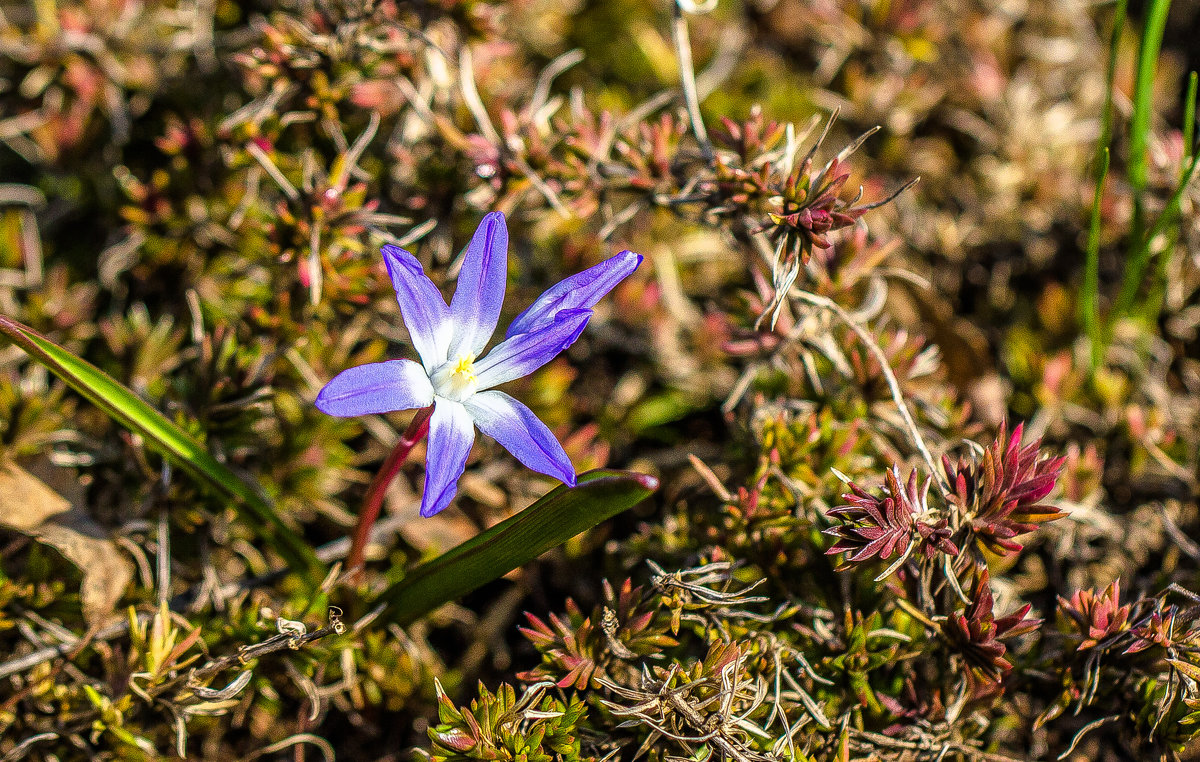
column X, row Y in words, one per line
column 883, row 446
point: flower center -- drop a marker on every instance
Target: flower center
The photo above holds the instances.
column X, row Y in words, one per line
column 456, row 378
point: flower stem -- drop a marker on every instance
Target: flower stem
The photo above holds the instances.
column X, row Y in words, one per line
column 374, row 498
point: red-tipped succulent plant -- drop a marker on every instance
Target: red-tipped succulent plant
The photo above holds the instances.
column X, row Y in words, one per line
column 1157, row 629
column 879, row 527
column 1001, row 494
column 1097, row 616
column 979, row 636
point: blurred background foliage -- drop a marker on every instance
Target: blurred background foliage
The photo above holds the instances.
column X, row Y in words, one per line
column 192, row 197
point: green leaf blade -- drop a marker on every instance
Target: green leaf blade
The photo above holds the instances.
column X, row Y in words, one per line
column 1143, row 94
column 1139, row 150
column 1090, row 298
column 558, row 516
column 131, row 411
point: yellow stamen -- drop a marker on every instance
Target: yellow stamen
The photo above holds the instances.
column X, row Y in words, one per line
column 465, row 366
column 456, row 379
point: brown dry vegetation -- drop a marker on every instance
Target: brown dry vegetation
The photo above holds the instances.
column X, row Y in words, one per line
column 914, row 505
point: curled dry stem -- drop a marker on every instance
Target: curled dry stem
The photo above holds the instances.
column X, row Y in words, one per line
column 893, row 384
column 687, row 76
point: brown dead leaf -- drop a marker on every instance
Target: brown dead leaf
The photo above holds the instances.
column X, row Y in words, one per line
column 27, row 505
column 25, row 501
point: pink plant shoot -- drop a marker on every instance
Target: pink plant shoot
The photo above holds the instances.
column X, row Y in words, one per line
column 979, row 636
column 1096, row 616
column 1001, row 493
column 878, row 527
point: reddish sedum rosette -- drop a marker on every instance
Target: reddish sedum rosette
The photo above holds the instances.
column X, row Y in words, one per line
column 577, row 649
column 1000, row 495
column 877, row 528
column 1158, row 629
column 978, row 635
column 1096, row 616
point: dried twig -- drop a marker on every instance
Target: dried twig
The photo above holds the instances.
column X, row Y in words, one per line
column 893, row 384
column 327, row 553
column 687, row 75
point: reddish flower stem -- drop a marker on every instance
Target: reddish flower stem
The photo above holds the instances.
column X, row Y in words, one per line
column 373, row 501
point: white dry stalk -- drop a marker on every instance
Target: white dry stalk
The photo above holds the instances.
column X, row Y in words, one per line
column 893, row 384
column 687, row 75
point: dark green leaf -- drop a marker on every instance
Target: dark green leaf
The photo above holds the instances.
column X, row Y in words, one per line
column 551, row 521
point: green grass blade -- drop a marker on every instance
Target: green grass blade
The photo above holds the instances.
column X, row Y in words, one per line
column 1189, row 120
column 1158, row 295
column 129, row 410
column 1143, row 92
column 551, row 521
column 1090, row 298
column 1114, row 45
column 1167, row 217
column 1139, row 149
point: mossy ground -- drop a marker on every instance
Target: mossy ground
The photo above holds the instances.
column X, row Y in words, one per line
column 193, row 199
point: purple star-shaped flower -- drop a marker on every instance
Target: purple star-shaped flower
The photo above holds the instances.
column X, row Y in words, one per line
column 454, row 378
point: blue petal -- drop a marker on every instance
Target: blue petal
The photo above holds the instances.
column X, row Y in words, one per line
column 526, row 352
column 451, row 434
column 378, row 387
column 480, row 290
column 581, row 290
column 422, row 306
column 520, row 432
